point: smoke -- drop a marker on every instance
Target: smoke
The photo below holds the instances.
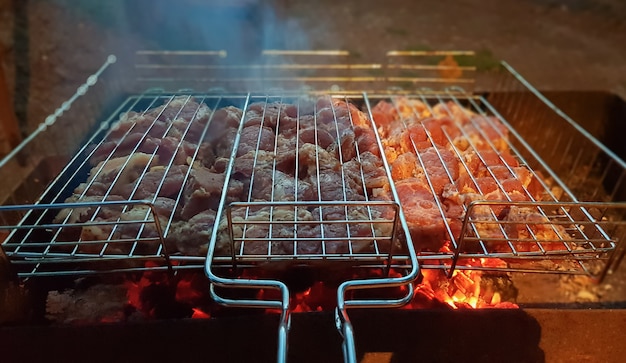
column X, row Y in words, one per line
column 243, row 28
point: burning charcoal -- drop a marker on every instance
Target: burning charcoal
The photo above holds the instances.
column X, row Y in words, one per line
column 159, row 301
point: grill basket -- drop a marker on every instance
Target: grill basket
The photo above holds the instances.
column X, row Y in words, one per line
column 569, row 221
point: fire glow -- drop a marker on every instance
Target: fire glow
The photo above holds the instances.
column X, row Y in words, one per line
column 463, row 290
column 466, row 289
column 155, row 295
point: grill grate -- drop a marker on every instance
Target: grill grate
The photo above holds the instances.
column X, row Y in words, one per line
column 114, row 220
column 312, row 193
column 563, row 229
column 300, row 244
column 319, row 191
column 477, row 170
column 269, row 180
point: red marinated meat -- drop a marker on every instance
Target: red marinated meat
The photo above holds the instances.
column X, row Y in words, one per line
column 366, row 140
column 424, row 219
column 442, row 167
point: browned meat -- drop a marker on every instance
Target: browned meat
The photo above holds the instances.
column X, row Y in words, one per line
column 257, row 234
column 366, row 140
column 224, row 144
column 334, row 187
column 206, row 155
column 374, row 174
column 288, row 125
column 169, row 149
column 312, row 157
column 84, row 214
column 366, row 173
column 285, row 153
column 324, row 151
column 201, row 192
column 269, row 112
column 118, row 172
column 255, row 138
column 321, row 137
column 226, row 117
column 190, row 131
column 347, row 145
column 277, row 186
column 222, row 130
column 156, row 179
column 140, row 132
column 191, row 237
column 340, row 237
column 246, row 164
column 180, row 107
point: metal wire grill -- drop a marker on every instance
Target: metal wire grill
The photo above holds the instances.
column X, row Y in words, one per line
column 79, row 220
column 574, row 236
column 292, row 239
column 564, row 164
column 40, row 244
column 496, row 200
column 319, row 192
column 316, row 190
column 549, row 201
column 42, row 248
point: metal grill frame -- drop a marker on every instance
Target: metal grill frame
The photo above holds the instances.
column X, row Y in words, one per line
column 376, row 254
column 71, row 263
column 401, row 75
column 279, row 69
column 224, row 279
column 587, row 258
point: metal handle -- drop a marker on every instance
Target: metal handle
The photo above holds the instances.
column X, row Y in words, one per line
column 344, row 326
column 342, row 320
column 285, row 317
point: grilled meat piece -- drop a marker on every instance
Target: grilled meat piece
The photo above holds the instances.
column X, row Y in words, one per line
column 442, row 159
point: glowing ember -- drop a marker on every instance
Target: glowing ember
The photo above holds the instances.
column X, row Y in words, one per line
column 465, row 289
column 199, row 314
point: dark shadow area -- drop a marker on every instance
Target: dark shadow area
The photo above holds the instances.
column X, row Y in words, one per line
column 533, row 335
column 410, row 336
column 450, row 336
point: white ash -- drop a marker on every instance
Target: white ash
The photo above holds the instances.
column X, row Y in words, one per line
column 98, row 303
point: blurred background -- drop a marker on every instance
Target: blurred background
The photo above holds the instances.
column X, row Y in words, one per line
column 49, row 47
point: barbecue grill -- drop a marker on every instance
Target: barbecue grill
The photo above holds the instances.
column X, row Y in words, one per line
column 580, row 180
